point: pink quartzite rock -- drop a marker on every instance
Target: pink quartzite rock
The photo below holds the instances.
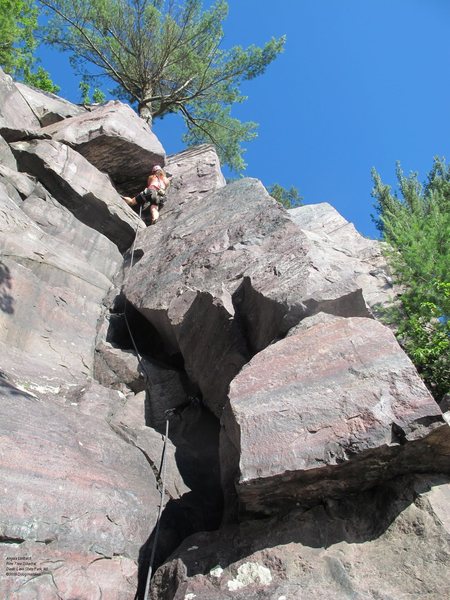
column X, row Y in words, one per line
column 116, row 141
column 334, row 408
column 50, row 295
column 48, row 108
column 196, row 172
column 16, row 117
column 76, row 498
column 80, row 187
column 389, row 542
column 226, row 274
column 331, row 231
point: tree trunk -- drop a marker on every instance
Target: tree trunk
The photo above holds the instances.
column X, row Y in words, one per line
column 145, row 112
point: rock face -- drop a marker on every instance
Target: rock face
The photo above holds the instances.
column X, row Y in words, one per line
column 330, row 230
column 80, row 187
column 195, row 172
column 392, row 542
column 245, row 332
column 231, row 281
column 344, row 409
column 74, row 506
column 47, row 107
column 46, row 288
column 116, row 141
column 16, row 117
column 79, row 464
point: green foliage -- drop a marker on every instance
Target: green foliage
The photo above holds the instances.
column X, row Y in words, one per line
column 417, row 229
column 166, row 56
column 97, row 97
column 18, row 24
column 41, row 79
column 84, row 89
column 289, row 198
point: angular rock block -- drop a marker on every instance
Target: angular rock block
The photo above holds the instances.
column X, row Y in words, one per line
column 23, row 183
column 80, row 187
column 210, row 342
column 324, row 219
column 334, row 408
column 130, row 422
column 115, row 140
column 50, row 298
column 47, row 107
column 331, row 231
column 76, row 499
column 390, row 542
column 16, row 117
column 118, row 369
column 6, row 156
column 56, row 220
column 66, row 230
column 196, row 172
column 229, row 273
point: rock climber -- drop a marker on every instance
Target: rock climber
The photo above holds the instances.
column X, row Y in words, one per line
column 152, row 198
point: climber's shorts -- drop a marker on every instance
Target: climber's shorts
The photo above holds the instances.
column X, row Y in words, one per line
column 148, row 197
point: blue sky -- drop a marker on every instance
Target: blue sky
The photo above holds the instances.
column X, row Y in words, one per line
column 361, row 84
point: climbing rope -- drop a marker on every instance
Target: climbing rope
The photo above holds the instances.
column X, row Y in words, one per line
column 162, row 468
column 158, row 520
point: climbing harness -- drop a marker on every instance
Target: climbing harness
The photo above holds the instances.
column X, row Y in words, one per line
column 162, row 468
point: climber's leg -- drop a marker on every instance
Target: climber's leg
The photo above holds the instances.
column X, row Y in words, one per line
column 130, row 201
column 154, row 213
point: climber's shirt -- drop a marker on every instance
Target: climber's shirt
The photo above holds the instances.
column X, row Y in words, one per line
column 153, row 195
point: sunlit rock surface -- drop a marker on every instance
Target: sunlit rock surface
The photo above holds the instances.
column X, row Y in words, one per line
column 330, row 230
column 47, row 107
column 235, row 275
column 228, row 301
column 115, row 140
column 17, row 120
column 80, row 187
column 343, row 408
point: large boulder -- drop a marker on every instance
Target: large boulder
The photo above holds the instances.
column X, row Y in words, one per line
column 21, row 182
column 329, row 229
column 47, row 107
column 66, row 230
column 80, row 187
column 76, row 500
column 226, row 274
column 196, row 172
column 116, row 141
column 131, row 423
column 390, row 542
column 6, row 156
column 57, row 221
column 50, row 296
column 17, row 120
column 343, row 408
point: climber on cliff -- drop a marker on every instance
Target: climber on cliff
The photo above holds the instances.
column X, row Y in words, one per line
column 152, row 198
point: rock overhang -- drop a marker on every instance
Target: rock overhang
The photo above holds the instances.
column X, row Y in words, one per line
column 239, row 247
column 343, row 408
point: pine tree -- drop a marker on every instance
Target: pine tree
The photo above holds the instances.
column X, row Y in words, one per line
column 416, row 226
column 165, row 57
column 18, row 25
column 289, row 198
